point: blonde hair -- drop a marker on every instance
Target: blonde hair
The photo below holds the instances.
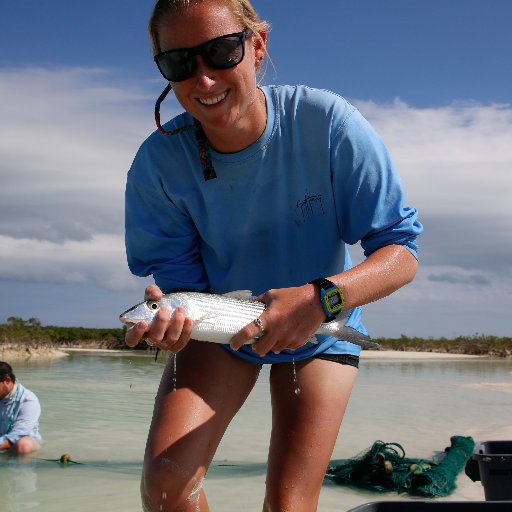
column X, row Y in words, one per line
column 242, row 9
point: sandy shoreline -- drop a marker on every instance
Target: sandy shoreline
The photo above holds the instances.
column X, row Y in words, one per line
column 111, row 350
column 11, row 354
column 406, row 354
column 52, row 353
column 365, row 354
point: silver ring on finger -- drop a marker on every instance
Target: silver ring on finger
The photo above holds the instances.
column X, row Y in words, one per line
column 149, row 341
column 259, row 325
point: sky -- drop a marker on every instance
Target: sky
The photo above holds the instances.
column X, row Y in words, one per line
column 77, row 90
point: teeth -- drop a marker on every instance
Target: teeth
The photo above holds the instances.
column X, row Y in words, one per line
column 214, row 100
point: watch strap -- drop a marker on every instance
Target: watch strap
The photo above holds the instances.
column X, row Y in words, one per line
column 331, row 297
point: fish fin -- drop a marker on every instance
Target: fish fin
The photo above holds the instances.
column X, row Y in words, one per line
column 240, row 295
column 354, row 336
column 339, row 329
column 313, row 339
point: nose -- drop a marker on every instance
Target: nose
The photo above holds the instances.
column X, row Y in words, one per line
column 205, row 76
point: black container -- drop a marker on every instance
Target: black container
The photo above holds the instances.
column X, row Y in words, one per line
column 435, row 506
column 491, row 463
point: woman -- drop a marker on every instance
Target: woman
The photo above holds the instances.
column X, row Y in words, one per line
column 255, row 188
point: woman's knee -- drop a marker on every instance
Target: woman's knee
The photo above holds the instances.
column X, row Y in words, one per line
column 289, row 499
column 167, row 486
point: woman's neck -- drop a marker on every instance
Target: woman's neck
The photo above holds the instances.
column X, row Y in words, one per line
column 247, row 131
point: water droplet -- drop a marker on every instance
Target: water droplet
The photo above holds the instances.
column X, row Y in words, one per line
column 295, row 380
column 174, row 379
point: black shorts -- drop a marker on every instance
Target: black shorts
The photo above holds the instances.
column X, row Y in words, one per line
column 349, row 359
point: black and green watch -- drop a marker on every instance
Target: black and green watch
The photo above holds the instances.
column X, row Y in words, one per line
column 331, row 298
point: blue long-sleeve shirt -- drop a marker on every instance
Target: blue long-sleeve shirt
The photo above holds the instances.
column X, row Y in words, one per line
column 280, row 212
column 19, row 415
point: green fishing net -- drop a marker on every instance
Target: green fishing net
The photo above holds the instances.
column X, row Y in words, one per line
column 384, row 467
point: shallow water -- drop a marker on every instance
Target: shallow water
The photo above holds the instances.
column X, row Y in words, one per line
column 97, row 406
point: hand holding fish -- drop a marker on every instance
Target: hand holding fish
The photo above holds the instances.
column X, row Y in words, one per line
column 291, row 317
column 170, row 320
column 164, row 331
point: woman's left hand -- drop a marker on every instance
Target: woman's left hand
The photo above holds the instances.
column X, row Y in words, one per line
column 290, row 319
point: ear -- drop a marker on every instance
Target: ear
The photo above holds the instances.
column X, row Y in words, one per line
column 260, row 47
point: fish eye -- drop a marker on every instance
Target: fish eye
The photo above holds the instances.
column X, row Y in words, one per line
column 153, row 306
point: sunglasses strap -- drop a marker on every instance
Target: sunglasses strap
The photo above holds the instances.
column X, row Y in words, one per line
column 205, row 155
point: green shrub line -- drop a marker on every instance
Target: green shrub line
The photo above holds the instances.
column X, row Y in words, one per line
column 19, row 333
column 477, row 344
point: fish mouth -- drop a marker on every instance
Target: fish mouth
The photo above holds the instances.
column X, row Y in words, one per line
column 126, row 322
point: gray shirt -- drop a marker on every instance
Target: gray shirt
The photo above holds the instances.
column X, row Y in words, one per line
column 19, row 415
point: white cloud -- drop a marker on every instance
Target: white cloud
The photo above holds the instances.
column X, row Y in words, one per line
column 456, row 163
column 455, row 303
column 67, row 142
column 100, row 260
column 64, row 129
column 452, row 158
column 68, row 139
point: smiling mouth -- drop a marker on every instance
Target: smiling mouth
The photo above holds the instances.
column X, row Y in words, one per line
column 213, row 100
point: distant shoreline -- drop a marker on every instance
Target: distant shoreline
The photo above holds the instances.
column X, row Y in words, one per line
column 390, row 349
column 411, row 354
column 371, row 355
column 28, row 338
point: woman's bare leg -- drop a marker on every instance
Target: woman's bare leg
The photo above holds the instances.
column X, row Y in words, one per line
column 304, row 430
column 189, row 422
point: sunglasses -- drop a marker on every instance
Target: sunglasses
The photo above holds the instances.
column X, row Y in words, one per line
column 222, row 52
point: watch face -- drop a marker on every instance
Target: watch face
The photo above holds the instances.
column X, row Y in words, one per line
column 333, row 301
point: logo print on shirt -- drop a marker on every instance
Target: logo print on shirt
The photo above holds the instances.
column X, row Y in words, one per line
column 310, row 205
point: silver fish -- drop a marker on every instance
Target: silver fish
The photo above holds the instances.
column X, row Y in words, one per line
column 219, row 317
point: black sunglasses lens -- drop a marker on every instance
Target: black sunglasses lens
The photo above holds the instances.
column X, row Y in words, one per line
column 220, row 53
column 223, row 53
column 177, row 65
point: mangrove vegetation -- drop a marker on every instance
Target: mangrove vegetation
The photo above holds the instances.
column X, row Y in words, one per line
column 20, row 333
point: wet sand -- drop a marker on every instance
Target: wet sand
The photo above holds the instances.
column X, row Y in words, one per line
column 11, row 354
column 25, row 354
column 405, row 354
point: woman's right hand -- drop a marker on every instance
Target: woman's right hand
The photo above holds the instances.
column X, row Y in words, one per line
column 166, row 333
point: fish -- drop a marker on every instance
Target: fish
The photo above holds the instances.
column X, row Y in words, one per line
column 218, row 317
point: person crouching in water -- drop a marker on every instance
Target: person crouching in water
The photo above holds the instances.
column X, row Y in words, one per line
column 19, row 414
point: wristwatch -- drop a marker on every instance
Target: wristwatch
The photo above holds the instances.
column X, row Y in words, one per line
column 331, row 297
